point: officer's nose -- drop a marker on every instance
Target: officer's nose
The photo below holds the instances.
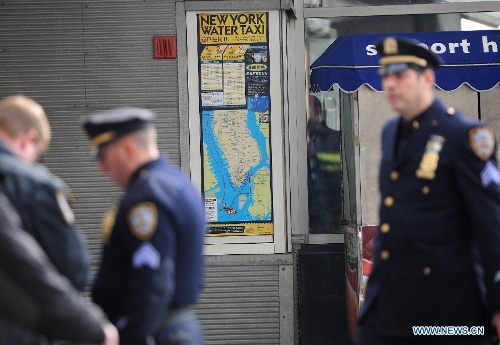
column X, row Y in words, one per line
column 389, row 82
column 389, row 79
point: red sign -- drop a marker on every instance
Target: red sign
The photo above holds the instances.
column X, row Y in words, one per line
column 165, row 47
column 352, row 277
column 368, row 236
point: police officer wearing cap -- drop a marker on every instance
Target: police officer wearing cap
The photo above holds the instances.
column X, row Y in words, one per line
column 437, row 252
column 152, row 263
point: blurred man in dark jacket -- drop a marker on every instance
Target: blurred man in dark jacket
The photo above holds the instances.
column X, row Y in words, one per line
column 40, row 198
column 35, row 296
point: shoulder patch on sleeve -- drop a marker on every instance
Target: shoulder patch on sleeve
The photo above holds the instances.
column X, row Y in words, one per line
column 482, row 141
column 142, row 219
column 146, row 255
column 62, row 202
column 108, row 222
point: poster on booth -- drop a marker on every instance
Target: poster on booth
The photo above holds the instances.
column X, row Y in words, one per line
column 235, row 122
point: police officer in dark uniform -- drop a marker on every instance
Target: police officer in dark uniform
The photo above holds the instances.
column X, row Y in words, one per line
column 437, row 252
column 152, row 263
column 40, row 197
column 324, row 172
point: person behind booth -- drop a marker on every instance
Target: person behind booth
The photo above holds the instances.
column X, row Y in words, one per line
column 437, row 249
column 152, row 264
column 324, row 172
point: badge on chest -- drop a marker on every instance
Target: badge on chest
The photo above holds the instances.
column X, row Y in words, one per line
column 430, row 158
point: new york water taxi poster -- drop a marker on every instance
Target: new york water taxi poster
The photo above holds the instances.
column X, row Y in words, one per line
column 233, row 55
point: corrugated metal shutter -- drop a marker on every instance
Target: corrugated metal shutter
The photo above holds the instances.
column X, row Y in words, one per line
column 76, row 57
column 240, row 305
column 119, row 65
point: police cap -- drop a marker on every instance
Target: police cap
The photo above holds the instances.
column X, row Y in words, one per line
column 106, row 127
column 397, row 54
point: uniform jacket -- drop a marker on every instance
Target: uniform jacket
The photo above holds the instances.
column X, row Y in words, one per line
column 440, row 202
column 41, row 201
column 152, row 260
column 34, row 295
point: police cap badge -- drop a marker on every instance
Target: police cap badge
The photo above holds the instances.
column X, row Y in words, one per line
column 397, row 54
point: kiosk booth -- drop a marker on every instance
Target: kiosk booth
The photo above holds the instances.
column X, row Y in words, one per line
column 348, row 70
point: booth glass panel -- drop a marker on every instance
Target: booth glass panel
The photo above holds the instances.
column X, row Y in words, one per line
column 333, row 195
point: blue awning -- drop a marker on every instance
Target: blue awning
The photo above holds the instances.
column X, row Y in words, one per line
column 471, row 57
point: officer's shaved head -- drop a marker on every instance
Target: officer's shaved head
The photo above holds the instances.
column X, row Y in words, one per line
column 19, row 114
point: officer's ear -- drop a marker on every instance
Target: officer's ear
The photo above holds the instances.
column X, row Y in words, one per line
column 129, row 146
column 429, row 76
column 29, row 146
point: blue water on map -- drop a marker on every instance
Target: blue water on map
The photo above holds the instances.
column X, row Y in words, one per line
column 228, row 193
